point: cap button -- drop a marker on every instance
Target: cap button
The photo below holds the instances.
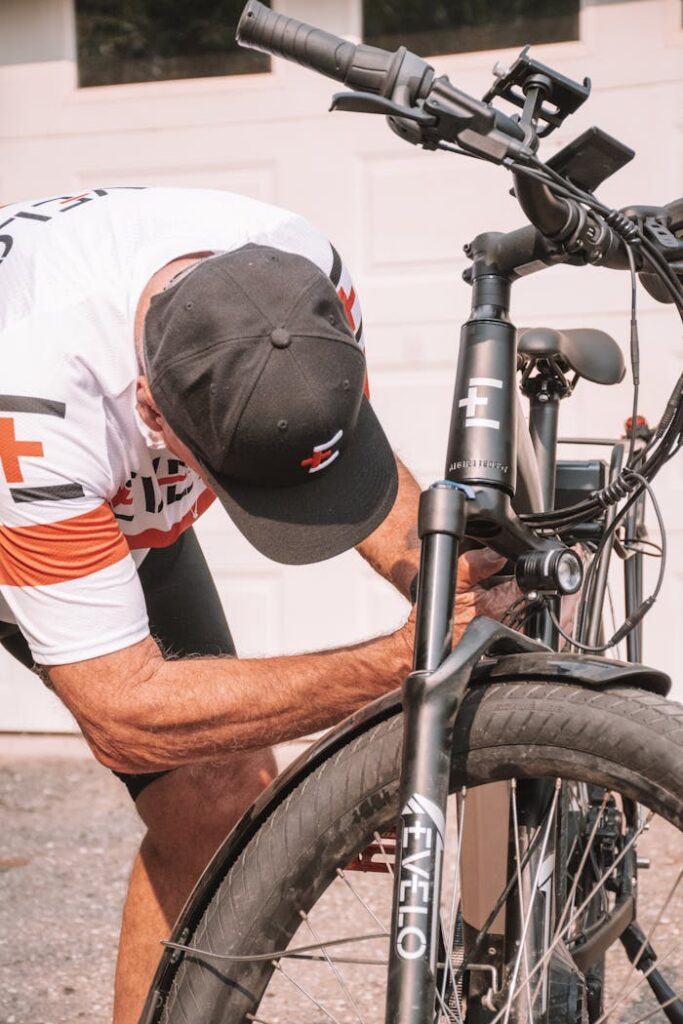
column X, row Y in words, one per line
column 280, row 337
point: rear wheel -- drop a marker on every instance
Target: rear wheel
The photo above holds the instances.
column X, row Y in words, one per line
column 319, row 871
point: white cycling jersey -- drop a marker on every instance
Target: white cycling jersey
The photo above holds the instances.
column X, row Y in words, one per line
column 85, row 489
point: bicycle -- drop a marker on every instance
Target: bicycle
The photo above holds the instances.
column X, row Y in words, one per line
column 574, row 752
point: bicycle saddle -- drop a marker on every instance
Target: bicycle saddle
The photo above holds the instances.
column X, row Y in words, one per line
column 591, row 354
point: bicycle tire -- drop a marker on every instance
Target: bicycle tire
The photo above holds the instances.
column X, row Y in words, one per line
column 622, row 738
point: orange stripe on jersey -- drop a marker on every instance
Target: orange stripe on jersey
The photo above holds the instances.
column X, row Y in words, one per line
column 46, row 553
column 154, row 538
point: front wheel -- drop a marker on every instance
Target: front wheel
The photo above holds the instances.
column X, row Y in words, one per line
column 307, row 905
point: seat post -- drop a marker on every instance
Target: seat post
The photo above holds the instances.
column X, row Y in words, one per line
column 544, row 402
column 546, row 356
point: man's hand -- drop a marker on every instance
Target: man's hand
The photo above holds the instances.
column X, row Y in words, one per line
column 393, row 550
column 471, row 599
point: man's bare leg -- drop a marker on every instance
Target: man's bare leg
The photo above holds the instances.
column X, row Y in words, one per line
column 187, row 813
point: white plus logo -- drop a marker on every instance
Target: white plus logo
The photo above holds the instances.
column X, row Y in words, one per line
column 474, row 400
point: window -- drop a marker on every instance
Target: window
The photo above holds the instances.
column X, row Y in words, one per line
column 459, row 26
column 153, row 40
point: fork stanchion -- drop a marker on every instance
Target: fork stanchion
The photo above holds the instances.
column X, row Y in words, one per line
column 441, row 527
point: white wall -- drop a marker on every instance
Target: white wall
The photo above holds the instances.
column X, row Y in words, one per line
column 400, row 216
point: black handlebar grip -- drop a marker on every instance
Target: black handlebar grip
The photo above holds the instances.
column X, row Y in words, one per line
column 367, row 68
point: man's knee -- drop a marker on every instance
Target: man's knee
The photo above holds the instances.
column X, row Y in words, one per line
column 189, row 811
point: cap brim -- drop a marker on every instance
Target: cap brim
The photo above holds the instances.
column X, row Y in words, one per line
column 322, row 517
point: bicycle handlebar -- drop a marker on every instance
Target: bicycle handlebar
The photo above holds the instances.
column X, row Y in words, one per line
column 366, row 68
column 564, row 221
column 410, row 93
column 369, row 69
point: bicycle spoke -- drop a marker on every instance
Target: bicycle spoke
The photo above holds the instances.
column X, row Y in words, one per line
column 446, row 1011
column 344, row 987
column 559, row 935
column 281, row 953
column 378, row 839
column 278, row 967
column 527, row 919
column 455, row 903
column 651, row 932
column 361, row 961
column 569, row 902
column 634, row 988
column 342, row 876
column 584, row 858
column 627, row 993
column 497, row 907
column 657, row 1009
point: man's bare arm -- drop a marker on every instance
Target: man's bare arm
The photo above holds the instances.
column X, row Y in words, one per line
column 393, row 550
column 141, row 713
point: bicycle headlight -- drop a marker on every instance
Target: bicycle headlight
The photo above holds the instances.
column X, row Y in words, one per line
column 569, row 572
column 550, row 572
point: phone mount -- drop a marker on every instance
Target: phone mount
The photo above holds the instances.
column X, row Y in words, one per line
column 543, row 94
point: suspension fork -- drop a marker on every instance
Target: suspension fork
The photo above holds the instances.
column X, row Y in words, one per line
column 429, row 715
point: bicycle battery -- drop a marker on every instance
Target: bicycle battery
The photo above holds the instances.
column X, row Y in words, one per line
column 576, row 480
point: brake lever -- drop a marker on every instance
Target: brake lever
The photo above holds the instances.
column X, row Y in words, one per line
column 367, row 103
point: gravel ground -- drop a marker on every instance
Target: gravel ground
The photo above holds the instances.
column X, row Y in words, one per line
column 68, row 833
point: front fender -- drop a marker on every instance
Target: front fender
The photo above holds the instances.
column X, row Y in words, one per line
column 587, row 670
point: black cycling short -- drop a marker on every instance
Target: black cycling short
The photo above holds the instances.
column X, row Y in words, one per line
column 185, row 616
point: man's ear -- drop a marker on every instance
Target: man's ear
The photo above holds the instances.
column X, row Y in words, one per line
column 147, row 407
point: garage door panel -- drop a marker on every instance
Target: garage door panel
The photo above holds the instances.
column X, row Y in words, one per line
column 421, row 208
column 414, row 409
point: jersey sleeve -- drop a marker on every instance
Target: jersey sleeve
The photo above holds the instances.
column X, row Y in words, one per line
column 72, row 586
column 66, row 571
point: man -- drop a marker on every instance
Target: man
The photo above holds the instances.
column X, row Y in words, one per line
column 163, row 347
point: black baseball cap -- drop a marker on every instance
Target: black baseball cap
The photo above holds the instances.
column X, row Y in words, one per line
column 252, row 362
